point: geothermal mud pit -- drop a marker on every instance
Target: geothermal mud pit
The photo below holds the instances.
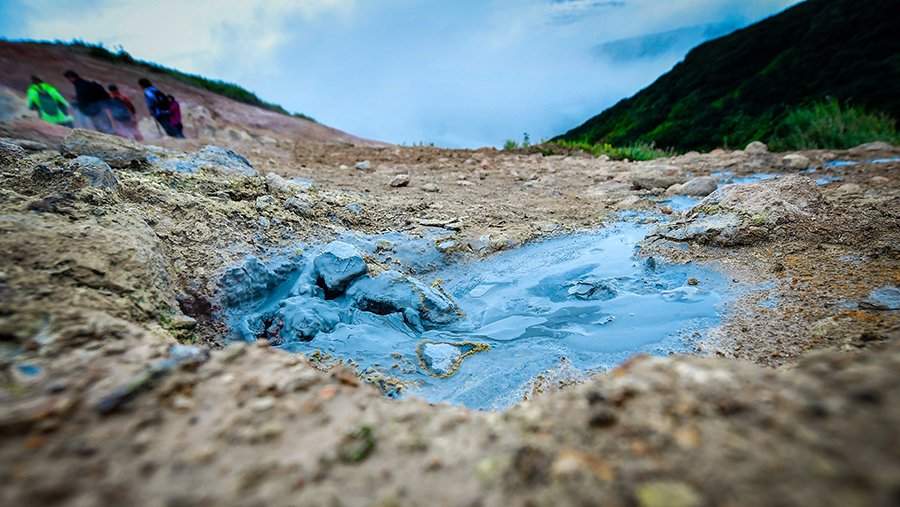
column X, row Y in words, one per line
column 475, row 332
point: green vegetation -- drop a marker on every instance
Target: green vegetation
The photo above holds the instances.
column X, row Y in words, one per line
column 230, row 90
column 756, row 83
column 635, row 151
column 831, row 125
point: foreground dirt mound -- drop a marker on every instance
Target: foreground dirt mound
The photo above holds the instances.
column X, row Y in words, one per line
column 117, row 390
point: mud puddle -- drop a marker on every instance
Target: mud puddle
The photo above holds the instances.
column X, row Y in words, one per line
column 475, row 332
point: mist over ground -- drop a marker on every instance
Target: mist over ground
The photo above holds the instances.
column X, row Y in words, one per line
column 457, row 74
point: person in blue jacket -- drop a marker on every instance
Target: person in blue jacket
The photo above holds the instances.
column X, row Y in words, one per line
column 159, row 105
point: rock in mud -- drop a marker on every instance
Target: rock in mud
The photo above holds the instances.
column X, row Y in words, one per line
column 253, row 279
column 756, row 148
column 301, row 319
column 795, row 161
column 115, row 151
column 443, row 359
column 393, row 292
column 337, row 266
column 95, row 171
column 742, row 214
column 656, row 176
column 697, row 187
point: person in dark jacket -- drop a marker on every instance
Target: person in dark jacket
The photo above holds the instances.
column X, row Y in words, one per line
column 92, row 101
column 159, row 106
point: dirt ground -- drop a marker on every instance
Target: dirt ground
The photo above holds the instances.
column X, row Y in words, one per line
column 117, row 387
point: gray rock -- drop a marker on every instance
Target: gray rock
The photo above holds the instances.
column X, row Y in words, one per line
column 264, row 202
column 656, row 176
column 10, row 153
column 795, row 161
column 115, row 151
column 213, row 158
column 25, row 144
column 299, row 204
column 883, row 298
column 400, row 180
column 756, row 148
column 740, row 214
column 337, row 266
column 302, row 318
column 430, row 187
column 95, row 171
column 848, row 189
column 698, row 187
column 364, row 165
column 252, row 279
column 287, row 187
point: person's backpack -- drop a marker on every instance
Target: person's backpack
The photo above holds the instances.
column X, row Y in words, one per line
column 47, row 103
column 162, row 102
column 96, row 92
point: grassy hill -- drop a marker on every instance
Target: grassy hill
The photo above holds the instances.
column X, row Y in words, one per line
column 769, row 81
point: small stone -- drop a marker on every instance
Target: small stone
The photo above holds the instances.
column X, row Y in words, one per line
column 602, row 417
column 430, row 187
column 848, row 189
column 667, row 494
column 262, row 404
column 364, row 165
column 400, row 180
column 264, row 202
column 693, row 281
column 795, row 161
column 97, row 172
column 182, row 403
column 756, row 148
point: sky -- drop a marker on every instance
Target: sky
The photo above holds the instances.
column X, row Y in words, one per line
column 460, row 73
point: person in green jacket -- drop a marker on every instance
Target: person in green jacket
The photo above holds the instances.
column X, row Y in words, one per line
column 48, row 102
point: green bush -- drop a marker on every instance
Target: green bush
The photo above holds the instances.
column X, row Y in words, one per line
column 636, row 151
column 510, row 145
column 829, row 125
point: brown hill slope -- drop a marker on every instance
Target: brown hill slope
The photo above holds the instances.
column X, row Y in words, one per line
column 208, row 117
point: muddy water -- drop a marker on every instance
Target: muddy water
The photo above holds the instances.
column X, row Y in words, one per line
column 571, row 304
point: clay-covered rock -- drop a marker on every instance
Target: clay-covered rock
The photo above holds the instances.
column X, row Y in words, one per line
column 337, row 266
column 394, row 292
column 657, row 176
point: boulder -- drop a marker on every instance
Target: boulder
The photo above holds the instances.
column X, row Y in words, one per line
column 795, row 161
column 115, row 151
column 656, row 176
column 741, row 214
column 337, row 267
column 698, row 187
column 393, row 292
column 756, row 148
column 95, row 171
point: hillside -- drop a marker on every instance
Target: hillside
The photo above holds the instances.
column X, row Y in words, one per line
column 214, row 112
column 740, row 87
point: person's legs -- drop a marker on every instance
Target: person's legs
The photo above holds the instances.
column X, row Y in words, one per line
column 102, row 123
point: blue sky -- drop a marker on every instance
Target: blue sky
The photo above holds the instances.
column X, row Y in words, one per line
column 456, row 73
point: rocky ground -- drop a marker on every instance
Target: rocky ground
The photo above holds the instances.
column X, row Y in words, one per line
column 117, row 388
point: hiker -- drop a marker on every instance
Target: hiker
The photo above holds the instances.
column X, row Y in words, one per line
column 159, row 106
column 91, row 100
column 124, row 114
column 175, row 120
column 51, row 106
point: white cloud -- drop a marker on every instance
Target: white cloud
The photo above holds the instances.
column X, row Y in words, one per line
column 198, row 35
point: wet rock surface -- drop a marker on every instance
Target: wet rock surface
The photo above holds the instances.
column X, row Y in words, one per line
column 94, row 286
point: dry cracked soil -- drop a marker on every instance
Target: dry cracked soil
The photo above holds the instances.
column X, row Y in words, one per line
column 118, row 386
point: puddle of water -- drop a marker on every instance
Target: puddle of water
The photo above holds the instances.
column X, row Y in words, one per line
column 728, row 177
column 680, row 202
column 827, row 180
column 491, row 326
